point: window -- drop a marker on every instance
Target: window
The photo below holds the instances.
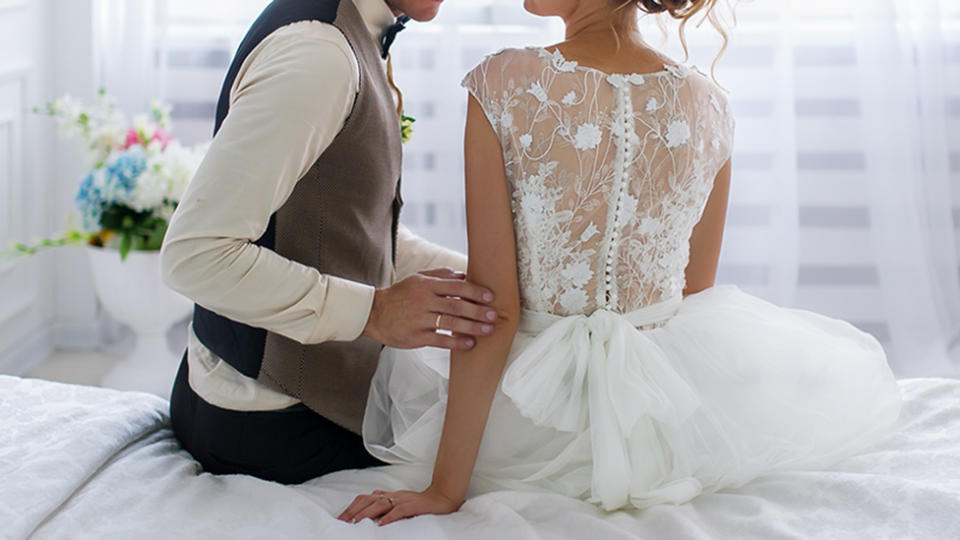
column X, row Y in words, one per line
column 846, row 190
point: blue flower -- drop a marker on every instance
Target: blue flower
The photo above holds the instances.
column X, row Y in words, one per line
column 123, row 169
column 111, row 184
column 90, row 201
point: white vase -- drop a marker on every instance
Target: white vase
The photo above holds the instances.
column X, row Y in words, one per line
column 132, row 292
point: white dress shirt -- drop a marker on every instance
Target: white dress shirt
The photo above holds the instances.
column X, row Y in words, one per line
column 290, row 99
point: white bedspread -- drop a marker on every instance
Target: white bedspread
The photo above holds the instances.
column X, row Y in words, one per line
column 80, row 462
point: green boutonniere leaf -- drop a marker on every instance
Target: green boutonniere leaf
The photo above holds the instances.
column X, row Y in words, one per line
column 406, row 127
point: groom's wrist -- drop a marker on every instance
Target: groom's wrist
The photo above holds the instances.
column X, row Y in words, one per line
column 370, row 328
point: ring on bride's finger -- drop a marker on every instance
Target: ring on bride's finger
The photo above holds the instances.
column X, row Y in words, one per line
column 437, row 324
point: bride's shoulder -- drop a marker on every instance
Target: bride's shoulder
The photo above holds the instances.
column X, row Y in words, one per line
column 506, row 67
column 513, row 58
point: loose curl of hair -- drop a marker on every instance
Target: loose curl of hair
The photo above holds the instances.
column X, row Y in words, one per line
column 684, row 11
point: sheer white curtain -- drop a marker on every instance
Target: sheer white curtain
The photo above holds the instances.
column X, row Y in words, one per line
column 906, row 88
column 846, row 190
column 846, row 183
column 842, row 194
column 125, row 39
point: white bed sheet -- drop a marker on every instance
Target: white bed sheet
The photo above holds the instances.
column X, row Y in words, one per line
column 82, row 462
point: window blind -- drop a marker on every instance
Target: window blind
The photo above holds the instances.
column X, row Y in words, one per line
column 801, row 225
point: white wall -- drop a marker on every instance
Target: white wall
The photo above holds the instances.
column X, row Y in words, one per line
column 45, row 300
column 70, row 34
column 26, row 298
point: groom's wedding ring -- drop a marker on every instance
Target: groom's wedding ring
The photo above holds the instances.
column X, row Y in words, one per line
column 437, row 324
column 392, row 503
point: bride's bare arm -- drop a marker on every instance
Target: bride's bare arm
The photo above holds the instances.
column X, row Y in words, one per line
column 474, row 374
column 707, row 236
column 492, row 263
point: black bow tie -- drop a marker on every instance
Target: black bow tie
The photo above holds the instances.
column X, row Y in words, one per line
column 391, row 34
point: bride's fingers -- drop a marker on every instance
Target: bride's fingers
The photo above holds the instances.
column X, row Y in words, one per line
column 380, row 507
column 358, row 504
column 401, row 511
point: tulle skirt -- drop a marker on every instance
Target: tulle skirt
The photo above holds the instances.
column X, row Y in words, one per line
column 656, row 406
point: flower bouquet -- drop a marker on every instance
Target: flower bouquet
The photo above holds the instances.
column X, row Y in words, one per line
column 138, row 173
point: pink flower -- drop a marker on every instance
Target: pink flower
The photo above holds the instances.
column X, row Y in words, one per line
column 132, row 138
column 163, row 136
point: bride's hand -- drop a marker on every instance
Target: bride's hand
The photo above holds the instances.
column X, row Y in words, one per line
column 386, row 506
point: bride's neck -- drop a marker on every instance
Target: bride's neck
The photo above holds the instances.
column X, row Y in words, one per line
column 601, row 24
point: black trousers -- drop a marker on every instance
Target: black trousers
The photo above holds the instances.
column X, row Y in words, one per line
column 289, row 446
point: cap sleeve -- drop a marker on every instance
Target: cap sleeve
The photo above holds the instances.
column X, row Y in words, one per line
column 724, row 124
column 488, row 83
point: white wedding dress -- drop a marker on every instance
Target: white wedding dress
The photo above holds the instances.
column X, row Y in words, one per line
column 618, row 389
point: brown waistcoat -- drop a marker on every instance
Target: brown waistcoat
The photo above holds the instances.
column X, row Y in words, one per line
column 340, row 219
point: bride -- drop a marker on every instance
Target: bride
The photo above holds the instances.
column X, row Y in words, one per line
column 597, row 175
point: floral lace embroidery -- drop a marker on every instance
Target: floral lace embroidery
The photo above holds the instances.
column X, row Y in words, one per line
column 608, row 174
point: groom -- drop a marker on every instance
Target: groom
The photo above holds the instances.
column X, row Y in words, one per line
column 288, row 241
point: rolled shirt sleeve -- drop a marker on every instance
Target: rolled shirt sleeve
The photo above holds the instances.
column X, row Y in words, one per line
column 290, row 99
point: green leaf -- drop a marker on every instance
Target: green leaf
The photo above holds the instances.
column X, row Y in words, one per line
column 67, row 238
column 155, row 240
column 126, row 244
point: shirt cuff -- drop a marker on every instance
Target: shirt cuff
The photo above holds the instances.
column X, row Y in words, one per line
column 345, row 311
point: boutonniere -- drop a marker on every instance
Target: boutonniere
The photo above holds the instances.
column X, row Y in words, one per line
column 406, row 127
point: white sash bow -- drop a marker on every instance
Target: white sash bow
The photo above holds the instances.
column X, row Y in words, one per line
column 600, row 372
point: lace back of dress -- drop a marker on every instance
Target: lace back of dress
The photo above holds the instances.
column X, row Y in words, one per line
column 608, row 174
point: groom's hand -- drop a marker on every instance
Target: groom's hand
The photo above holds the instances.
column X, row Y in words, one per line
column 405, row 315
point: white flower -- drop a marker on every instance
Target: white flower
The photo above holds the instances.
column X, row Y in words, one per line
column 546, row 169
column 678, row 132
column 532, row 203
column 537, row 91
column 652, row 105
column 570, row 98
column 109, row 136
column 573, row 300
column 589, row 233
column 525, row 140
column 578, row 273
column 142, row 123
column 648, row 226
column 506, row 120
column 588, row 136
column 636, row 79
column 561, row 64
column 166, row 176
